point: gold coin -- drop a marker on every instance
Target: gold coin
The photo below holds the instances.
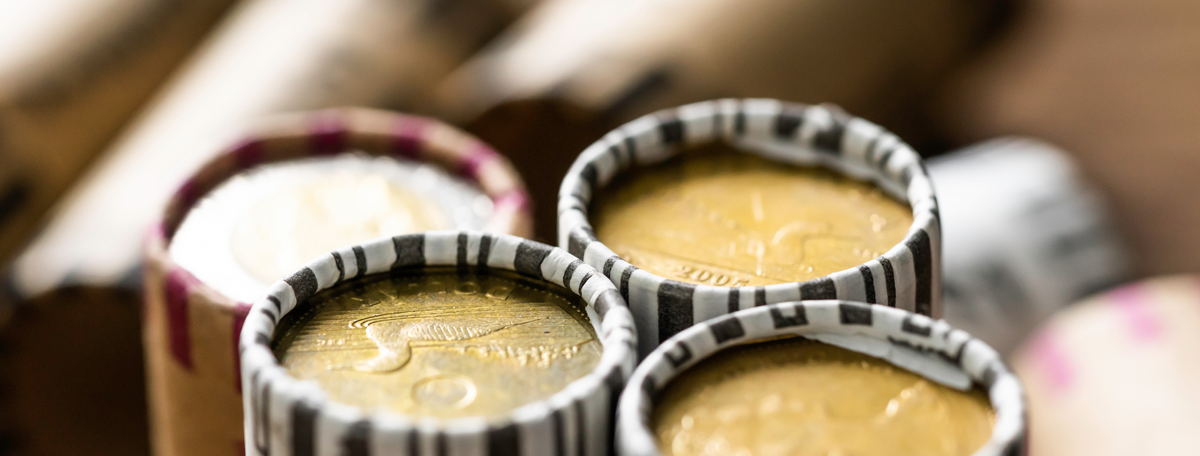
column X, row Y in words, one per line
column 804, row 398
column 725, row 218
column 296, row 225
column 440, row 344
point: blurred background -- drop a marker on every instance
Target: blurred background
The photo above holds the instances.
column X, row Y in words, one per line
column 1062, row 136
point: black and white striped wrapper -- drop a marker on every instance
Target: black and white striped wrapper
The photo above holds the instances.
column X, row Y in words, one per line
column 286, row 416
column 914, row 342
column 908, row 276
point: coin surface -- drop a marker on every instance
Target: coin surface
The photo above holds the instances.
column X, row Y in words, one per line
column 440, row 344
column 296, row 224
column 721, row 217
column 795, row 396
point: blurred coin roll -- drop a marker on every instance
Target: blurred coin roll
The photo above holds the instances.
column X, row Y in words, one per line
column 705, row 209
column 887, row 382
column 71, row 73
column 269, row 56
column 1117, row 373
column 1025, row 234
column 293, row 188
column 573, row 69
column 293, row 410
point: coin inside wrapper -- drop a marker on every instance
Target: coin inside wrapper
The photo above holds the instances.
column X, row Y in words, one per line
column 444, row 342
column 308, row 184
column 440, row 343
column 264, row 223
column 820, row 378
column 712, row 207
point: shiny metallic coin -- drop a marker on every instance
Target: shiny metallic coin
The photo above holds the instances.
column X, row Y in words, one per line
column 265, row 223
column 440, row 344
column 819, row 378
column 720, row 217
column 801, row 397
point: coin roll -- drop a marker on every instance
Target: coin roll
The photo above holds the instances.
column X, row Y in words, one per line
column 192, row 317
column 571, row 70
column 1116, row 373
column 285, row 415
column 925, row 347
column 906, row 276
column 1025, row 234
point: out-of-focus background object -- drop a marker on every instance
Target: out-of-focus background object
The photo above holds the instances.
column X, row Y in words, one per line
column 1118, row 373
column 71, row 73
column 1114, row 83
column 575, row 69
column 270, row 56
column 78, row 278
column 1023, row 235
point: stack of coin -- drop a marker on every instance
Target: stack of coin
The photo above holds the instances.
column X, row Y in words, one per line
column 717, row 206
column 822, row 378
column 295, row 187
column 445, row 342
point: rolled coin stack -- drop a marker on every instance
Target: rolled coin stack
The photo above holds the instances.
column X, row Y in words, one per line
column 1024, row 234
column 746, row 384
column 1116, row 373
column 374, row 349
column 712, row 207
column 296, row 187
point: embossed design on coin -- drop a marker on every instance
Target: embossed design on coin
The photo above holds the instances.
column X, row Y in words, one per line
column 396, row 338
column 445, row 391
column 725, row 218
column 438, row 343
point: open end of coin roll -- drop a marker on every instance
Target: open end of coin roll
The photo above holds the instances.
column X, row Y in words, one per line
column 298, row 186
column 303, row 187
column 820, row 378
column 712, row 207
column 437, row 343
column 264, row 223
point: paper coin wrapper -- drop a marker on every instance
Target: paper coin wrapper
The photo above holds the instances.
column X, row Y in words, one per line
column 267, row 56
column 287, row 414
column 199, row 279
column 1116, row 374
column 71, row 73
column 906, row 274
column 1025, row 235
column 572, row 70
column 931, row 349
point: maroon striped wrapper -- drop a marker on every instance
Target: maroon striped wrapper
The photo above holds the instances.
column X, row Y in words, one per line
column 190, row 330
